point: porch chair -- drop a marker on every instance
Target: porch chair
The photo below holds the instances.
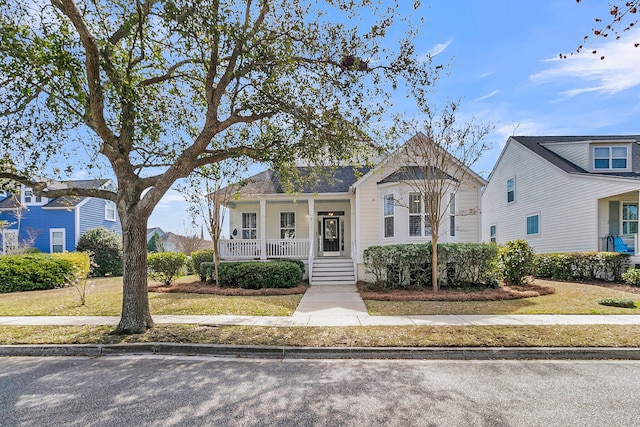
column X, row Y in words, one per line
column 620, row 246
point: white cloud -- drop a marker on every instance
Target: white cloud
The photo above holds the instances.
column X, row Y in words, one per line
column 439, row 48
column 172, row 200
column 616, row 73
column 487, row 96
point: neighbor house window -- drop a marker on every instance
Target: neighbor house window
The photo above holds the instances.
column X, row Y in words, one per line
column 56, row 239
column 610, row 157
column 29, row 197
column 452, row 214
column 630, row 218
column 511, row 190
column 533, row 224
column 249, row 225
column 493, row 233
column 287, row 225
column 109, row 210
column 9, row 240
column 388, row 216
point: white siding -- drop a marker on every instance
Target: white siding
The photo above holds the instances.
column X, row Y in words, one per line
column 567, row 204
column 576, row 153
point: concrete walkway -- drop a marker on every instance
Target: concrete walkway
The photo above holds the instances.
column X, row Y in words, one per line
column 340, row 305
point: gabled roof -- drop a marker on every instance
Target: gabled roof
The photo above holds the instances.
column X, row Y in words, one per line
column 68, row 202
column 336, row 180
column 538, row 145
column 10, row 203
column 63, row 202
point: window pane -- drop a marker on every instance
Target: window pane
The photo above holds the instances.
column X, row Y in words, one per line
column 452, row 225
column 532, row 224
column 492, row 231
column 511, row 184
column 630, row 211
column 619, row 163
column 388, row 227
column 414, row 203
column 415, row 225
column 452, row 204
column 388, row 204
column 602, row 164
column 601, row 152
column 619, row 152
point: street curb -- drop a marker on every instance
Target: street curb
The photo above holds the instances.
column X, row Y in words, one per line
column 283, row 352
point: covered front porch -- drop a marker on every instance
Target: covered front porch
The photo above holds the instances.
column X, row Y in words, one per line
column 311, row 229
column 618, row 223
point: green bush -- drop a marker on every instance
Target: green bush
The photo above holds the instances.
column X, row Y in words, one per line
column 618, row 302
column 632, row 277
column 33, row 272
column 165, row 266
column 515, row 262
column 207, row 270
column 258, row 275
column 297, row 262
column 581, row 265
column 105, row 248
column 409, row 266
column 197, row 258
column 81, row 262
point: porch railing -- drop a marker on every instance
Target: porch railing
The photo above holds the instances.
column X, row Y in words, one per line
column 276, row 248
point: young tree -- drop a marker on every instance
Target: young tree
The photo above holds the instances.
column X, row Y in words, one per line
column 149, row 90
column 435, row 165
column 155, row 243
column 190, row 243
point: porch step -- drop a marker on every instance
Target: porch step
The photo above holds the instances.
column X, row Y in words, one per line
column 333, row 271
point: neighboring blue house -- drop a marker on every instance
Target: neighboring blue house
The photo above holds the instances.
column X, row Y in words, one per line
column 54, row 225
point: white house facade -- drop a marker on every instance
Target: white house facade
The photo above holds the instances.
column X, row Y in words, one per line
column 565, row 194
column 330, row 223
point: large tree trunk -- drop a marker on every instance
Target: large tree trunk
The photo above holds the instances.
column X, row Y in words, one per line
column 136, row 317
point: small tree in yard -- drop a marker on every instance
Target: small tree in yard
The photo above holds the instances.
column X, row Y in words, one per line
column 435, row 165
column 155, row 243
column 147, row 91
column 166, row 266
column 190, row 243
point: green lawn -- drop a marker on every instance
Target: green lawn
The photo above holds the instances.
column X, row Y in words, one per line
column 105, row 299
column 570, row 298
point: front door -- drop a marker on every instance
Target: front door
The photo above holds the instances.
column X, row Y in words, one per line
column 331, row 236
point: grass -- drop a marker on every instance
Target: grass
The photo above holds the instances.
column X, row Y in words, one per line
column 569, row 298
column 368, row 336
column 105, row 299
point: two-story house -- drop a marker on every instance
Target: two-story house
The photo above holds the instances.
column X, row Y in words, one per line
column 54, row 225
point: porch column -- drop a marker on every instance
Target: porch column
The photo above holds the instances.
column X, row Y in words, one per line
column 263, row 229
column 312, row 235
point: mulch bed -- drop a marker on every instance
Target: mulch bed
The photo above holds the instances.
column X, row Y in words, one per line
column 503, row 293
column 208, row 288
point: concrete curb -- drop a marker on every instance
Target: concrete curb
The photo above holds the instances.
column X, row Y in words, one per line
column 292, row 353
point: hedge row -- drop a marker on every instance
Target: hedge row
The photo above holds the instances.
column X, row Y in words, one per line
column 34, row 272
column 258, row 275
column 582, row 265
column 409, row 265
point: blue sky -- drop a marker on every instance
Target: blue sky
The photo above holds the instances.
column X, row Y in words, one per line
column 505, row 69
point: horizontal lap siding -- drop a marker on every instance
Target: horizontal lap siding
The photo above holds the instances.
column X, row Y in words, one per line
column 92, row 215
column 567, row 205
column 42, row 221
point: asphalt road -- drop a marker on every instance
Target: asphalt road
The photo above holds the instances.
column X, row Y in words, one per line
column 198, row 391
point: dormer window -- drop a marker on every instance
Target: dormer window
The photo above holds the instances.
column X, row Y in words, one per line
column 31, row 199
column 610, row 158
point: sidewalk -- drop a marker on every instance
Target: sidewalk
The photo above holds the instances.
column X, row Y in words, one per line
column 341, row 305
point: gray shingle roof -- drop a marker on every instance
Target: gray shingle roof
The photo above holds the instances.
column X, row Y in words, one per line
column 64, row 202
column 336, row 180
column 407, row 173
column 9, row 203
column 536, row 144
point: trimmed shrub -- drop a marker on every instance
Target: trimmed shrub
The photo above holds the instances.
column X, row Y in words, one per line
column 105, row 248
column 297, row 262
column 33, row 272
column 207, row 270
column 197, row 258
column 409, row 266
column 632, row 277
column 581, row 265
column 618, row 302
column 165, row 266
column 258, row 275
column 515, row 262
column 81, row 262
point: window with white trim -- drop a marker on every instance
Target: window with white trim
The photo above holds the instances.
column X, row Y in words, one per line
column 418, row 222
column 452, row 214
column 56, row 240
column 287, row 225
column 533, row 224
column 109, row 210
column 389, row 227
column 630, row 218
column 511, row 190
column 493, row 233
column 610, row 158
column 249, row 225
column 31, row 199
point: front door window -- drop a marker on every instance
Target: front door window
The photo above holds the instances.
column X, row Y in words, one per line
column 331, row 236
column 629, row 218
